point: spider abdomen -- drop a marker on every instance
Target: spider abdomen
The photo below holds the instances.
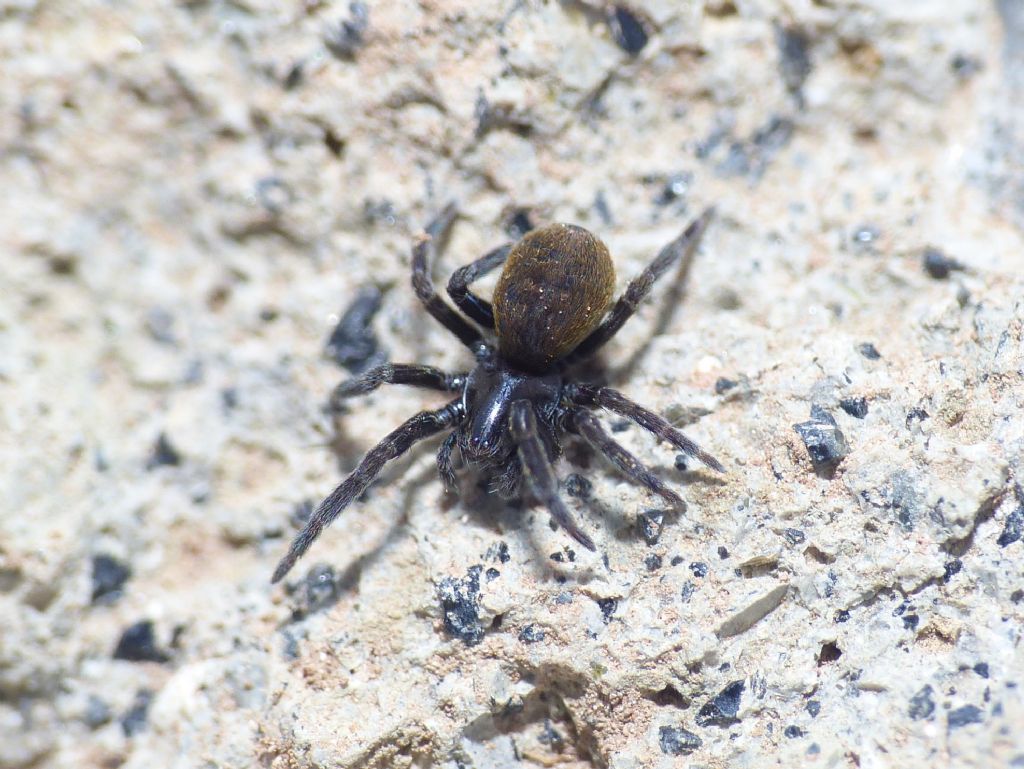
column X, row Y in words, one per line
column 554, row 290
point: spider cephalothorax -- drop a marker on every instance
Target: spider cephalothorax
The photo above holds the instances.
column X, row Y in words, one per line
column 551, row 308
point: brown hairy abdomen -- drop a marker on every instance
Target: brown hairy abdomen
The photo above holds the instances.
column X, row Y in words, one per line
column 555, row 289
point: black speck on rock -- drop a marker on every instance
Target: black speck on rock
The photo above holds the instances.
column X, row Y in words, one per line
column 317, row 591
column 492, row 574
column 723, row 552
column 164, row 454
column 721, row 710
column 916, row 414
column 937, row 264
column 108, row 577
column 677, row 741
column 578, row 486
column 687, row 591
column 138, row 644
column 968, row 714
column 675, row 187
column 910, row 621
column 855, row 407
column 627, row 29
column 981, row 668
column 699, row 569
column 842, row 616
column 1013, row 529
column 607, row 607
column 652, row 562
column 921, row 704
column 498, row 552
column 794, row 57
column 97, row 712
column 531, row 634
column 813, row 707
column 518, row 223
column 951, row 569
column 823, row 439
column 352, row 344
column 460, row 606
column 135, row 718
column 869, row 351
column 792, row 732
column 723, row 385
column 345, row 38
column 650, row 523
column 794, row 536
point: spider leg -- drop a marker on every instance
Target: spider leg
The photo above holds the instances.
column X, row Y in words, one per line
column 458, row 285
column 538, row 471
column 444, row 461
column 613, row 400
column 640, row 286
column 396, row 443
column 588, row 426
column 398, row 373
column 423, row 254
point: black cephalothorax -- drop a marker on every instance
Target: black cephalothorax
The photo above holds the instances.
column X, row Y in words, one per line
column 551, row 308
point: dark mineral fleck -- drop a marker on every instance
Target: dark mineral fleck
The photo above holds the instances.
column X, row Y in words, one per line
column 937, row 264
column 460, row 606
column 968, row 714
column 823, row 439
column 352, row 344
column 164, row 454
column 607, row 607
column 498, row 552
column 652, row 562
column 911, row 621
column 531, row 634
column 677, row 741
column 723, row 552
column 869, row 351
column 578, row 486
column 134, row 719
column 674, row 188
column 97, row 712
column 566, row 555
column 1013, row 528
column 108, row 577
column 794, row 536
column 518, row 223
column 699, row 569
column 687, row 592
column 921, row 704
column 550, row 736
column 981, row 668
column 724, row 385
column 813, row 707
column 721, row 710
column 650, row 525
column 794, row 58
column 793, row 732
column 492, row 574
column 916, row 414
column 842, row 616
column 138, row 644
column 318, row 590
column 951, row 569
column 855, row 407
column 345, row 38
column 627, row 29
column 1017, row 596
column 682, row 463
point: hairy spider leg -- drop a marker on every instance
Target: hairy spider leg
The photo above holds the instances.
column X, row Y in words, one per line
column 640, row 286
column 458, row 285
column 444, row 461
column 590, row 428
column 423, row 255
column 398, row 373
column 613, row 400
column 396, row 443
column 538, row 470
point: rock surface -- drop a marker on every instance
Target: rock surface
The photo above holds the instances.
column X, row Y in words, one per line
column 196, row 193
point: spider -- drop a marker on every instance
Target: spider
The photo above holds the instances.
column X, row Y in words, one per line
column 551, row 309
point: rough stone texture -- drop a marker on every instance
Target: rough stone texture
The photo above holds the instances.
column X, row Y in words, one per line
column 195, row 191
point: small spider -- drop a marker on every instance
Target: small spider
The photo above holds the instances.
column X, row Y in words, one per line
column 551, row 309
